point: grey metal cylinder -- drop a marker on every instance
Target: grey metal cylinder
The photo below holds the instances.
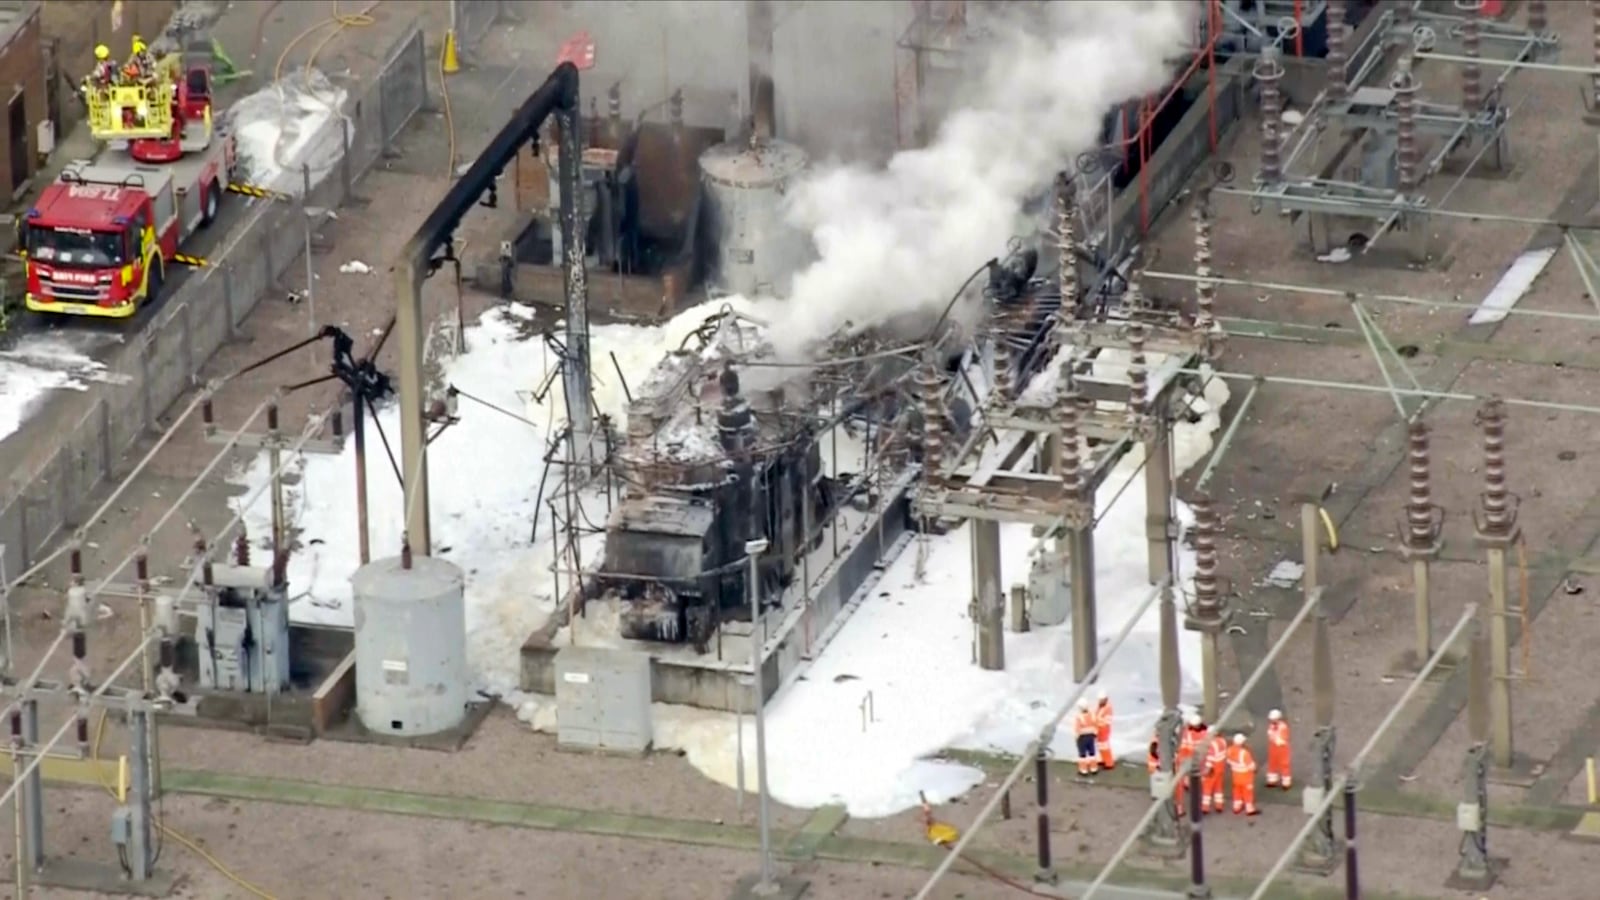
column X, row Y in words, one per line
column 758, row 250
column 411, row 646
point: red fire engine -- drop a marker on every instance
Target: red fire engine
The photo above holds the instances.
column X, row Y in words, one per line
column 99, row 240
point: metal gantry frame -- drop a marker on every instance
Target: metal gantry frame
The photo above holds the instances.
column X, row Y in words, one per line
column 1391, row 118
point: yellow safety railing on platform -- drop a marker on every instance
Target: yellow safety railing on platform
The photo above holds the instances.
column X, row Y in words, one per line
column 150, row 105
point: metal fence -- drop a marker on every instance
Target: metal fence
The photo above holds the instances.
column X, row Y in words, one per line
column 474, row 18
column 158, row 365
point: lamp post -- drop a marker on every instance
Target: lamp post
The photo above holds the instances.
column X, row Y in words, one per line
column 753, row 550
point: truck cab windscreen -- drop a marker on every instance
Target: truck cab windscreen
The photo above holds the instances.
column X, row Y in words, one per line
column 76, row 248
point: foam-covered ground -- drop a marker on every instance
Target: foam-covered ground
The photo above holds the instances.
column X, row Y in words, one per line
column 287, row 127
column 38, row 365
column 910, row 649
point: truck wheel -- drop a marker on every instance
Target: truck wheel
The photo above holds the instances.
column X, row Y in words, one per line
column 213, row 200
column 154, row 285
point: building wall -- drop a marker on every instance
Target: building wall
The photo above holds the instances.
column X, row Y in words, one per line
column 72, row 28
column 21, row 72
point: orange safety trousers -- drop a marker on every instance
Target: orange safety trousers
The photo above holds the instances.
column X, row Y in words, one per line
column 1243, row 764
column 1211, row 782
column 1278, row 772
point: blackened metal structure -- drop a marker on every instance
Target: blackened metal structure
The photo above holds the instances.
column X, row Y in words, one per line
column 434, row 244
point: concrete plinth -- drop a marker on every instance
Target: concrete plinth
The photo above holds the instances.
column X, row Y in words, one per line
column 1406, row 665
column 782, row 888
column 1308, row 863
column 1522, row 772
column 1477, row 881
column 100, row 878
column 448, row 741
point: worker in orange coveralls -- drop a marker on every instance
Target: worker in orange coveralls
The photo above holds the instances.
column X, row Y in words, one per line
column 1086, row 725
column 1278, row 774
column 1102, row 738
column 1193, row 733
column 1216, row 760
column 1243, row 764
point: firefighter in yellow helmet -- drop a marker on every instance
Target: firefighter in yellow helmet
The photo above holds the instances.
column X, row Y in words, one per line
column 140, row 65
column 105, row 71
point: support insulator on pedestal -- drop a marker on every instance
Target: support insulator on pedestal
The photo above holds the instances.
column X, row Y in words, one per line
column 1498, row 516
column 1268, row 73
column 241, row 549
column 930, row 395
column 1338, row 55
column 1538, row 16
column 1207, row 587
column 1138, row 375
column 1419, row 506
column 1069, row 406
column 1067, row 250
column 1000, row 334
column 1205, row 291
column 1404, row 84
column 1594, row 80
column 1472, row 46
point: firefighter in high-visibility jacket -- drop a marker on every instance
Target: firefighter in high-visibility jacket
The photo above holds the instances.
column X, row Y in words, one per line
column 1278, row 771
column 1086, row 725
column 1102, row 737
column 1243, row 764
column 1216, row 760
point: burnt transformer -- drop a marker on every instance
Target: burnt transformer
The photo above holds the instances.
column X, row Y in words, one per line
column 708, row 469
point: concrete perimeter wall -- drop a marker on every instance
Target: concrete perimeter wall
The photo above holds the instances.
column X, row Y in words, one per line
column 163, row 361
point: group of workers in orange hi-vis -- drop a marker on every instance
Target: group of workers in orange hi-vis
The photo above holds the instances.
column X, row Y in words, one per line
column 1092, row 726
column 1214, row 756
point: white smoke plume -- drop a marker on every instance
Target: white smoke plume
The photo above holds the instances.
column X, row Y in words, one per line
column 901, row 239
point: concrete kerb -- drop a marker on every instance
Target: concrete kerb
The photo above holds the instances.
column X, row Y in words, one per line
column 911, row 855
column 162, row 362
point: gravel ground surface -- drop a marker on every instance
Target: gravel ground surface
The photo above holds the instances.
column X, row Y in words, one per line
column 1286, row 447
column 321, row 853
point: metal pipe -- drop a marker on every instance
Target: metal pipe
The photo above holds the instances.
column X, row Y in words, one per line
column 1352, row 870
column 1041, row 779
column 1347, row 296
column 1183, row 769
column 1377, row 389
column 1197, row 855
column 363, row 528
column 1355, row 764
column 1592, row 71
column 1038, row 745
column 757, row 665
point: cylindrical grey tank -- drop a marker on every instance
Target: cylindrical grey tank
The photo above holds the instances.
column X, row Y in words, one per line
column 758, row 251
column 411, row 646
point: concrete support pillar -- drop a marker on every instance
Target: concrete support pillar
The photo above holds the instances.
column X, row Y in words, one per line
column 1497, row 532
column 989, row 599
column 141, row 856
column 1085, row 631
column 32, row 798
column 1160, row 530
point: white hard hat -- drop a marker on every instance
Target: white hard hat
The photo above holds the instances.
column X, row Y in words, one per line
column 1238, row 740
column 1275, row 716
column 1194, row 720
column 1101, row 695
column 1083, row 703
